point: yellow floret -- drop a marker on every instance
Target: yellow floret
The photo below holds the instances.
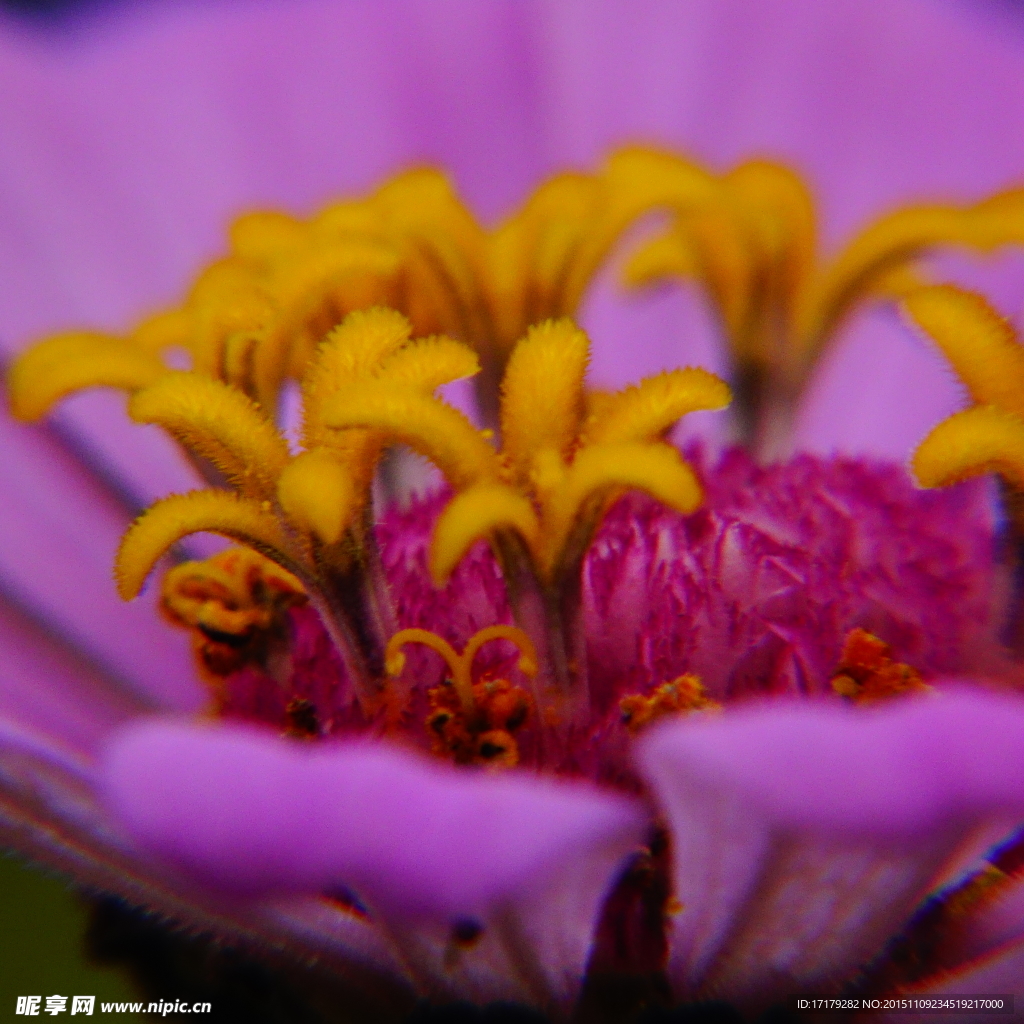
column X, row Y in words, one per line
column 980, row 440
column 219, row 423
column 980, row 344
column 178, row 516
column 71, row 362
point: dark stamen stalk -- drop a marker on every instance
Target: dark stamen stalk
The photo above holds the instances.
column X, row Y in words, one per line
column 354, row 601
column 1012, row 543
column 551, row 615
column 487, row 387
column 766, row 385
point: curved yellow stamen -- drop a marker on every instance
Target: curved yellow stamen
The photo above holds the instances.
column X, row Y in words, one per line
column 394, row 660
column 438, row 431
column 222, row 311
column 666, row 257
column 981, row 440
column 779, row 211
column 892, row 242
column 263, row 234
column 219, row 423
column 527, row 653
column 657, row 469
column 475, row 513
column 542, row 393
column 645, row 411
column 443, row 246
column 312, row 292
column 750, row 238
column 178, row 516
column 645, row 178
column 460, row 666
column 318, row 492
column 980, row 344
column 538, row 255
column 71, row 362
column 429, row 363
column 353, row 351
column 170, row 329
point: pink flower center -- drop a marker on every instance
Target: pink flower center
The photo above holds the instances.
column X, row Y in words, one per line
column 820, row 577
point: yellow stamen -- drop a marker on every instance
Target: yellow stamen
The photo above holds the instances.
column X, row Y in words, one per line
column 987, row 356
column 263, row 234
column 666, row 257
column 71, row 362
column 394, row 660
column 169, row 329
column 310, row 296
column 460, row 665
column 353, row 352
column 443, row 248
column 438, row 431
column 477, row 513
column 542, row 393
column 750, row 240
column 646, row 411
column 893, row 242
column 171, row 519
column 233, row 606
column 318, row 493
column 980, row 345
column 980, row 440
column 373, row 346
column 542, row 258
column 429, row 363
column 527, row 655
column 642, row 178
column 478, row 726
column 657, row 469
column 218, row 423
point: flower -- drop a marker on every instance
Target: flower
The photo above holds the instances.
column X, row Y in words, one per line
column 467, row 887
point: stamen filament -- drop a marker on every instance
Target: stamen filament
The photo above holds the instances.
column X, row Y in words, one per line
column 460, row 666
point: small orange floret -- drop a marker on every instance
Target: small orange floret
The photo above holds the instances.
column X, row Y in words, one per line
column 681, row 696
column 867, row 672
column 233, row 606
column 484, row 735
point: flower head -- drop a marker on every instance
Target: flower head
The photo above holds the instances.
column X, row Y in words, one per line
column 723, row 753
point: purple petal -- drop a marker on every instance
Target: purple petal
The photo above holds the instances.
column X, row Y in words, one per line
column 424, row 845
column 50, row 688
column 804, row 835
column 879, row 390
column 49, row 812
column 61, row 529
column 990, row 976
column 995, row 924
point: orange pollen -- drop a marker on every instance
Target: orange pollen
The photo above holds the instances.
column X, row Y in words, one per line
column 483, row 735
column 683, row 695
column 867, row 672
column 234, row 607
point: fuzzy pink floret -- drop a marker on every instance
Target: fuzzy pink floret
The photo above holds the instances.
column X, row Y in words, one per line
column 755, row 593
